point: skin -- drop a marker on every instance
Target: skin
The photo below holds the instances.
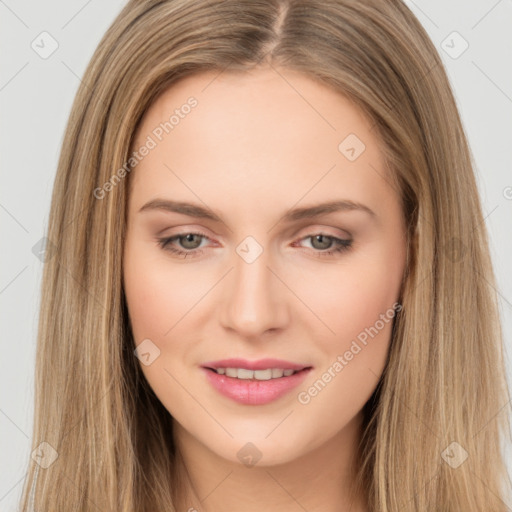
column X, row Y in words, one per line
column 253, row 148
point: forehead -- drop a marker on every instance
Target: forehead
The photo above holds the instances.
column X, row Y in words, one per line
column 269, row 98
column 270, row 133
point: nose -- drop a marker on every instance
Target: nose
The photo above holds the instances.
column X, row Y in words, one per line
column 255, row 300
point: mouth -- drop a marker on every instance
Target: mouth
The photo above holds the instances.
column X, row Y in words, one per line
column 266, row 374
column 254, row 383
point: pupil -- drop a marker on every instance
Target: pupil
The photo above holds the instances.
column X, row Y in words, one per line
column 321, row 238
column 189, row 239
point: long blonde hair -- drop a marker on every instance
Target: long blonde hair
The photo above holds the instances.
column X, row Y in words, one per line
column 432, row 431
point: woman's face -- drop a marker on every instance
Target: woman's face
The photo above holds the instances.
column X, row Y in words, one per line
column 234, row 172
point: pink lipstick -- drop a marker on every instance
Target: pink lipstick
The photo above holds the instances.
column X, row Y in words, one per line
column 254, row 382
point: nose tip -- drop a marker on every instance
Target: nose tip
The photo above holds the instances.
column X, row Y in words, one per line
column 254, row 302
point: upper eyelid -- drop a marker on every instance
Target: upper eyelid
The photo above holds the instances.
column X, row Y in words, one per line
column 305, row 230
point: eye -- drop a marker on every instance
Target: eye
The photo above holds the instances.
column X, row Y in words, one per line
column 322, row 244
column 189, row 242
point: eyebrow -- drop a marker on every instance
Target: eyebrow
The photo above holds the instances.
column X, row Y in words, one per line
column 307, row 212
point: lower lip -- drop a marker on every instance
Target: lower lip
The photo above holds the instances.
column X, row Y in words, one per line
column 254, row 392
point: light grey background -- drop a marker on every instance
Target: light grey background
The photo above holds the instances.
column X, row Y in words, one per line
column 36, row 95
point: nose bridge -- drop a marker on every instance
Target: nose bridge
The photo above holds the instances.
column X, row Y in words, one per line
column 255, row 301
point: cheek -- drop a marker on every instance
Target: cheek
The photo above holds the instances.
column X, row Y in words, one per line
column 349, row 297
column 357, row 302
column 361, row 314
column 157, row 299
column 148, row 305
column 158, row 294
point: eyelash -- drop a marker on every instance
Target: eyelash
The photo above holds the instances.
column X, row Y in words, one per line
column 164, row 243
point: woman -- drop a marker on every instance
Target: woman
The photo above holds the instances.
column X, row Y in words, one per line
column 272, row 286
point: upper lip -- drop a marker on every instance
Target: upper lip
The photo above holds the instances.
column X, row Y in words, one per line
column 260, row 364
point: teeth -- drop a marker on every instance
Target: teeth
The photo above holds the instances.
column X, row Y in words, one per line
column 244, row 374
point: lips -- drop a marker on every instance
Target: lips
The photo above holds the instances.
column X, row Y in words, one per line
column 261, row 364
column 254, row 391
